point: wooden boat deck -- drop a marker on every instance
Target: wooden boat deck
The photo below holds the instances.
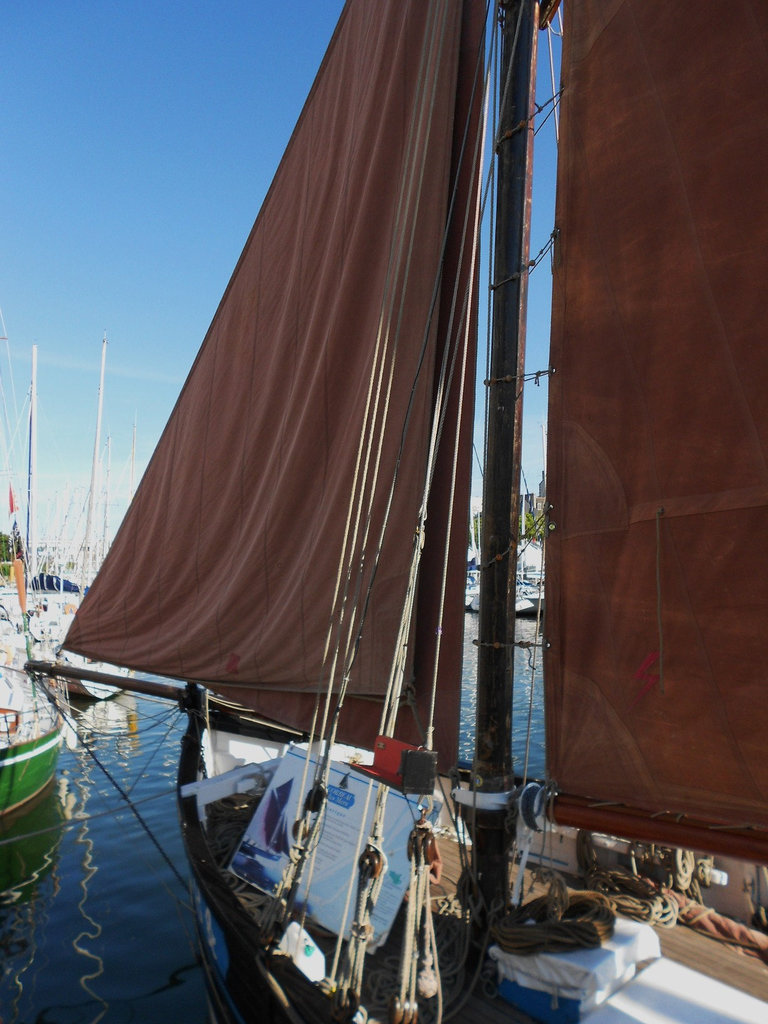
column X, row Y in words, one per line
column 694, row 950
column 716, row 959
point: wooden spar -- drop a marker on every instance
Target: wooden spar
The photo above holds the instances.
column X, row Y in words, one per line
column 501, row 485
column 666, row 829
column 148, row 687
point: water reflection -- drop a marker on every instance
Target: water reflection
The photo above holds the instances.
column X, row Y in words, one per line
column 29, row 844
column 94, row 927
column 29, row 838
column 117, row 717
column 91, row 932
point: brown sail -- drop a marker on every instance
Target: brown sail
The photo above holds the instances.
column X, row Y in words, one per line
column 657, row 590
column 310, row 403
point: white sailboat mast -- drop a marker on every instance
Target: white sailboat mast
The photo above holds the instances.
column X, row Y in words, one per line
column 31, row 552
column 105, row 529
column 133, row 462
column 88, row 544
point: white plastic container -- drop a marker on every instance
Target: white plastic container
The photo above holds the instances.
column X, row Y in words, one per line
column 301, row 948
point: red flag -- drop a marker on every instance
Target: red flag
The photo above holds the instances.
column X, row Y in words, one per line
column 11, row 500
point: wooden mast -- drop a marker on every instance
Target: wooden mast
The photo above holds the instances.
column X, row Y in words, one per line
column 501, row 485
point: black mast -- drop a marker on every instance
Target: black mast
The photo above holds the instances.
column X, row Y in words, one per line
column 501, row 485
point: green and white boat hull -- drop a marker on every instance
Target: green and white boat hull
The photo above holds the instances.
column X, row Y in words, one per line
column 26, row 768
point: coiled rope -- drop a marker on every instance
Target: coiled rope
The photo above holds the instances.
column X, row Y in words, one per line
column 630, row 894
column 557, row 922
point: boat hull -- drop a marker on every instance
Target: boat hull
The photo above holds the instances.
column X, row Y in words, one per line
column 246, row 984
column 27, row 768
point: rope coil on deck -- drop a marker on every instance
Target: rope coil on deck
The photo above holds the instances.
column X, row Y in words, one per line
column 630, row 895
column 556, row 922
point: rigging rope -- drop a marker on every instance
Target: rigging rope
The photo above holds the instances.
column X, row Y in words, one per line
column 332, row 974
column 351, row 607
column 629, row 893
column 66, row 715
column 371, row 874
column 465, row 319
column 419, row 972
column 359, row 516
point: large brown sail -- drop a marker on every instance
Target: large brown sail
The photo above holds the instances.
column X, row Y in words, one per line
column 657, row 590
column 227, row 567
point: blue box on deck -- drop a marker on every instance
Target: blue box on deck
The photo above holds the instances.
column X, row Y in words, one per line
column 542, row 1006
column 562, row 988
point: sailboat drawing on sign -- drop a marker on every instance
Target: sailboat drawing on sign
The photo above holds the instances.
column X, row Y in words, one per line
column 271, row 839
column 328, row 415
column 267, row 839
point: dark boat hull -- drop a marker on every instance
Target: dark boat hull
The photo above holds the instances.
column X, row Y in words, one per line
column 246, row 984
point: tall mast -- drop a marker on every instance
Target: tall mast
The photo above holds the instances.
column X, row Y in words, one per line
column 88, row 543
column 105, row 530
column 31, row 559
column 501, row 485
column 133, row 461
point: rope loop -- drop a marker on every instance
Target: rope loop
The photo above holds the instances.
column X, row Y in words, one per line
column 630, row 894
column 556, row 922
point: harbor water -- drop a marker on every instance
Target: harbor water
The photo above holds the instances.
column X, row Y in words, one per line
column 95, row 919
column 94, row 923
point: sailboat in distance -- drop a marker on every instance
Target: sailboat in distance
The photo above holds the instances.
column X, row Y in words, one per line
column 328, row 417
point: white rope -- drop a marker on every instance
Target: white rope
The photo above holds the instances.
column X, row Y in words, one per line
column 352, row 880
column 371, row 878
column 368, row 461
column 467, row 320
column 550, row 33
column 418, row 968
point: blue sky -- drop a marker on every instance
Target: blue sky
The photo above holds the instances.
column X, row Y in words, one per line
column 138, row 142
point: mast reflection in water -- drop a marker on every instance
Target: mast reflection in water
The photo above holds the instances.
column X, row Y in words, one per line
column 94, row 924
